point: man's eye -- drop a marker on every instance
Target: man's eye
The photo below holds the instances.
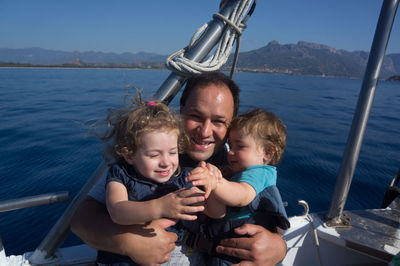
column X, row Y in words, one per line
column 194, row 117
column 219, row 122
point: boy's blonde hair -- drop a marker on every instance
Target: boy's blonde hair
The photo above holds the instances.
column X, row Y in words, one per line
column 126, row 127
column 266, row 128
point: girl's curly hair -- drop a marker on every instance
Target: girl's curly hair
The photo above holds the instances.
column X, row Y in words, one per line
column 126, row 126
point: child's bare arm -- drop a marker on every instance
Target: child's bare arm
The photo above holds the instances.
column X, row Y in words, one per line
column 208, row 176
column 225, row 192
column 232, row 193
column 214, row 208
column 176, row 205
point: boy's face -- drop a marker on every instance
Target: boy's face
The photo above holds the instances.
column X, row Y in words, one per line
column 244, row 151
column 207, row 113
column 157, row 158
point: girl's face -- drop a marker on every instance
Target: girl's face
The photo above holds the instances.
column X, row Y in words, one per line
column 244, row 151
column 157, row 158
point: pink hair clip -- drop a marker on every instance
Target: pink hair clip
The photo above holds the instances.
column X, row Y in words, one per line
column 151, row 103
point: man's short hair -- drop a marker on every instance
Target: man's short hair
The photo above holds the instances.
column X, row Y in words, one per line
column 215, row 78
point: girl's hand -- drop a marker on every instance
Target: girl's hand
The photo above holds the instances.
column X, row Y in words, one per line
column 182, row 204
column 201, row 176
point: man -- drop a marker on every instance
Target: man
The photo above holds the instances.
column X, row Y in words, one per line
column 208, row 104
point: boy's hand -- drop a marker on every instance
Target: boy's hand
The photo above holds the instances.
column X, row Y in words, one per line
column 182, row 204
column 213, row 170
column 201, row 176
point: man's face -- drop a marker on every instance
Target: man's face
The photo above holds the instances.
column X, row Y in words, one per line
column 207, row 113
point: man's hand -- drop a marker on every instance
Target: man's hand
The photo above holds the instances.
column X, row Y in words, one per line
column 146, row 244
column 155, row 245
column 258, row 246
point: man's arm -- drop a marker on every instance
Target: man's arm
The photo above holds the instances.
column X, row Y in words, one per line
column 258, row 246
column 93, row 225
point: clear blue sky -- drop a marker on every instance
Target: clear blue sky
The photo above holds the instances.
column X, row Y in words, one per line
column 163, row 26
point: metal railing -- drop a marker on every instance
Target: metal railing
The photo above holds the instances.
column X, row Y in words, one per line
column 32, row 201
column 360, row 119
column 27, row 202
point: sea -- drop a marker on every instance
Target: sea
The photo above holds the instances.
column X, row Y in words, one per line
column 47, row 142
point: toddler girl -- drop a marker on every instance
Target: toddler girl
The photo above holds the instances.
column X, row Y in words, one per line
column 145, row 181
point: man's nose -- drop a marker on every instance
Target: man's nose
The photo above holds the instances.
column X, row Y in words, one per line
column 206, row 128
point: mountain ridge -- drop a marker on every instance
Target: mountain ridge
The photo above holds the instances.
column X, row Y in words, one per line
column 305, row 58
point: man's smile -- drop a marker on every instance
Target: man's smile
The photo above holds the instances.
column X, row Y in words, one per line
column 201, row 145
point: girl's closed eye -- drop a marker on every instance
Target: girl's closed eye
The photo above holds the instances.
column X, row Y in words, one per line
column 152, row 155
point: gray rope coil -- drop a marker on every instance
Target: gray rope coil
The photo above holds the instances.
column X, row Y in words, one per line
column 179, row 64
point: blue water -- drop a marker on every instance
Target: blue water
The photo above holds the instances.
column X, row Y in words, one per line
column 45, row 146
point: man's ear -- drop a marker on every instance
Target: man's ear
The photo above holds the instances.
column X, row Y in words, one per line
column 130, row 159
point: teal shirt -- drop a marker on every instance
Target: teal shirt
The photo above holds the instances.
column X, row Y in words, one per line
column 257, row 176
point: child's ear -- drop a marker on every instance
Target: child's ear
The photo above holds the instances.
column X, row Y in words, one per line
column 269, row 153
column 130, row 159
column 267, row 157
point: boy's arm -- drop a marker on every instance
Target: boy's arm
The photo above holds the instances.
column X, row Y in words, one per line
column 236, row 194
column 149, row 244
column 173, row 205
column 223, row 192
column 214, row 208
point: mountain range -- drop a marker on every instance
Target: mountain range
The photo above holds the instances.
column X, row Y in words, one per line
column 303, row 58
column 306, row 58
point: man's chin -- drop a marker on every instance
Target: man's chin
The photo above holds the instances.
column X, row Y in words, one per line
column 200, row 155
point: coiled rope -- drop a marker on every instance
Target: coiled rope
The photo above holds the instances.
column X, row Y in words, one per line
column 180, row 65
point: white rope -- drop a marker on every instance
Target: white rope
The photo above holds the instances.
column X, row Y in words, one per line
column 179, row 64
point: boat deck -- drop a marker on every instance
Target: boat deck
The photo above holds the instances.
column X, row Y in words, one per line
column 374, row 232
column 372, row 238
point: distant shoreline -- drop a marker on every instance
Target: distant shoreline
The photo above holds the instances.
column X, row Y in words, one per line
column 83, row 66
column 138, row 68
